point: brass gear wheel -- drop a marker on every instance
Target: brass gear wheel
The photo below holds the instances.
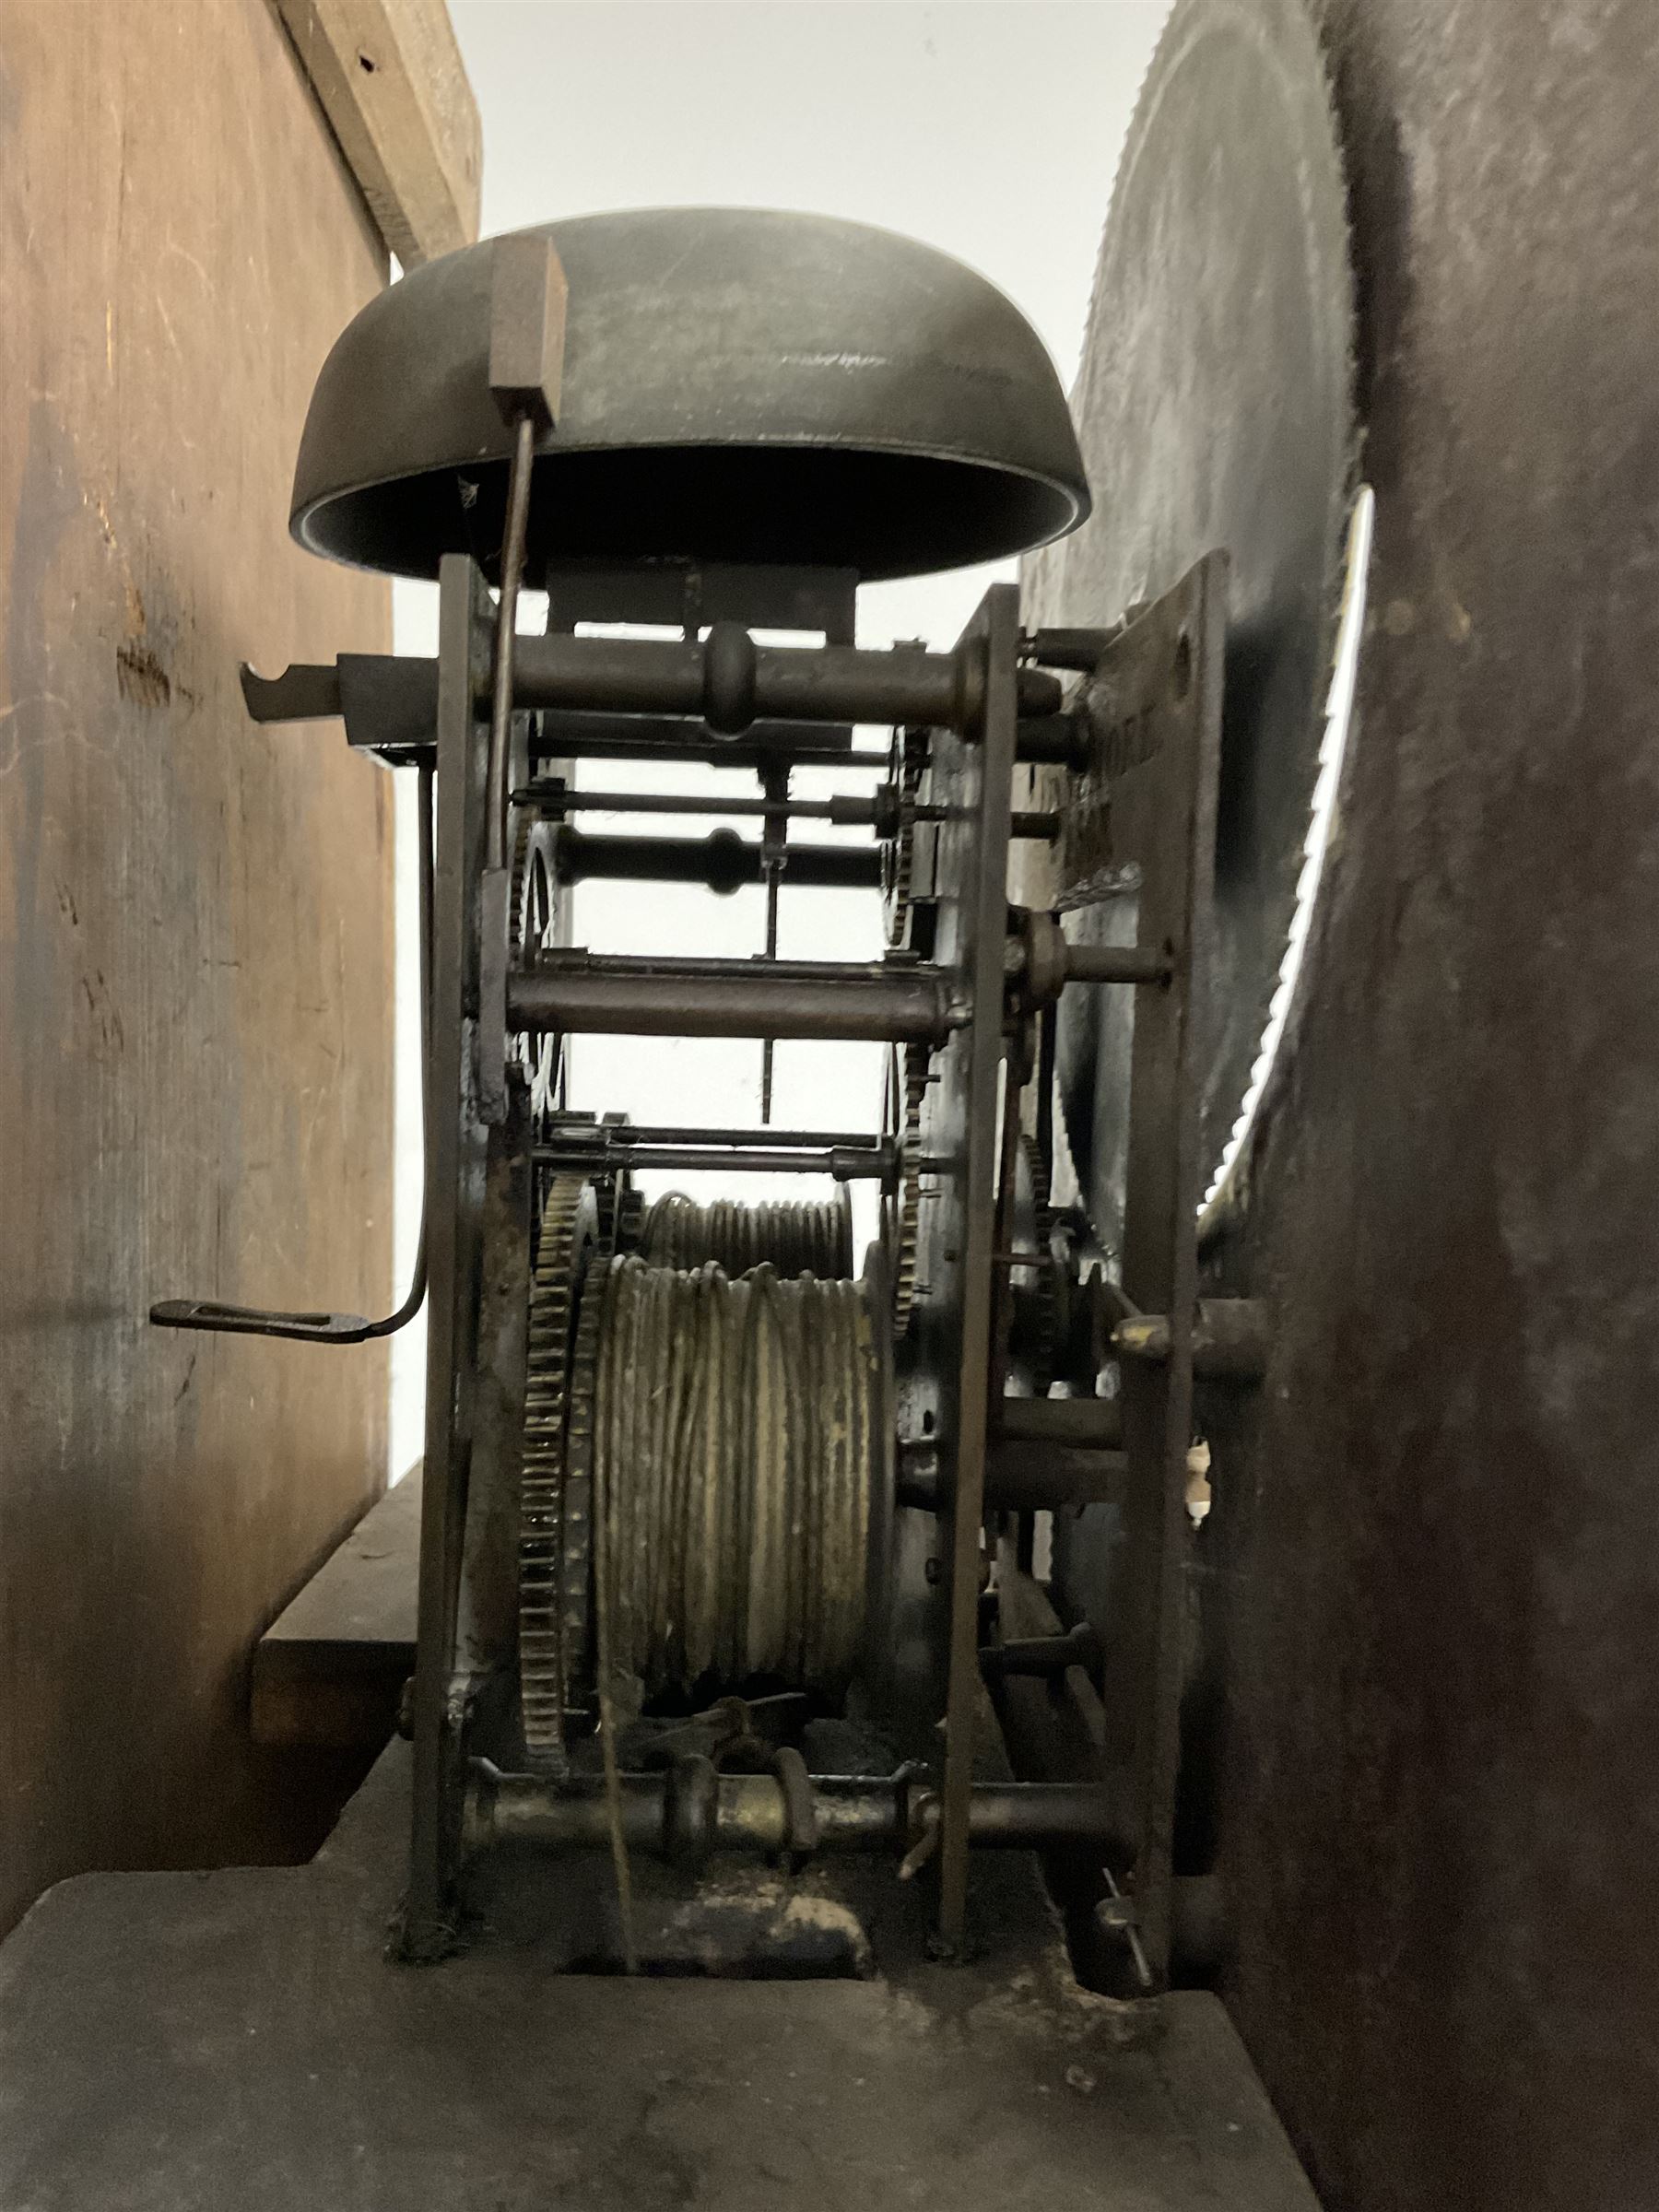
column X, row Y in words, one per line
column 631, row 1218
column 620, row 1209
column 906, row 761
column 551, row 1525
column 1034, row 1230
column 901, row 1209
column 576, row 1579
column 530, row 923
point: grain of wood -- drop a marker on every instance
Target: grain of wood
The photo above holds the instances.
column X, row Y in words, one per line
column 330, row 1669
column 390, row 81
column 196, row 927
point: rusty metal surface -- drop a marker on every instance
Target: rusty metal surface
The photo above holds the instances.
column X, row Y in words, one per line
column 1435, row 1542
column 1122, row 1569
column 456, row 1156
column 943, row 1235
column 1214, row 411
column 973, row 849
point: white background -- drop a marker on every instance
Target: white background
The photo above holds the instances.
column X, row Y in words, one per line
column 989, row 128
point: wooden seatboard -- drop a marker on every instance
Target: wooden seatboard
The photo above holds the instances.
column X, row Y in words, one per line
column 179, row 2043
column 329, row 1671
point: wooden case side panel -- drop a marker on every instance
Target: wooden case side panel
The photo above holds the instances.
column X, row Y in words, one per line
column 196, row 928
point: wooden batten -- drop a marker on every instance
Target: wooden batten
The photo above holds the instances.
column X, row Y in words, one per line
column 390, row 78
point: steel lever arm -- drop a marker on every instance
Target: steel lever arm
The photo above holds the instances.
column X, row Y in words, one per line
column 254, row 1321
column 211, row 1313
column 305, row 691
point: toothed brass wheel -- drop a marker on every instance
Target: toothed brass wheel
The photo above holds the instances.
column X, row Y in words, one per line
column 902, row 1207
column 552, row 1528
column 531, row 918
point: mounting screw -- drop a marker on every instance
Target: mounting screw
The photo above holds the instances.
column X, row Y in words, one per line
column 1115, row 1917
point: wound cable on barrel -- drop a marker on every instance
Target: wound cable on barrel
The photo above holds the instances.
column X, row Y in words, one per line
column 607, row 1728
column 738, row 1450
column 794, row 1236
